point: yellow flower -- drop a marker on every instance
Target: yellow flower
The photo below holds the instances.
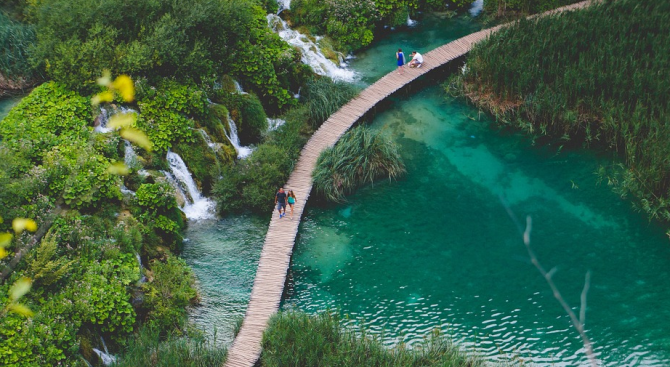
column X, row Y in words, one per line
column 121, row 120
column 137, row 137
column 124, row 85
column 118, row 168
column 105, row 96
column 21, row 224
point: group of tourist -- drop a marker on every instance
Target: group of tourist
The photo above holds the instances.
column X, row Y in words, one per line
column 281, row 199
column 416, row 62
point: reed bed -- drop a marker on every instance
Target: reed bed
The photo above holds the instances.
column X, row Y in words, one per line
column 15, row 41
column 597, row 76
column 360, row 157
column 297, row 339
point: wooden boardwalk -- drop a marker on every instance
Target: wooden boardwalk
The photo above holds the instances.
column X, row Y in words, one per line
column 276, row 255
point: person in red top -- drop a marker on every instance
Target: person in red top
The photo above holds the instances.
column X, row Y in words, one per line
column 280, row 202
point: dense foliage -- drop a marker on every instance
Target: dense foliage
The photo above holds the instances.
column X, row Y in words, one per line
column 507, row 8
column 353, row 23
column 191, row 41
column 297, row 339
column 597, row 76
column 360, row 157
column 15, row 42
column 323, row 97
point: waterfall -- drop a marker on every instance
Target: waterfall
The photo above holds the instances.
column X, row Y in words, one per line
column 311, row 54
column 238, row 87
column 274, row 124
column 196, row 206
column 476, row 8
column 297, row 95
column 129, row 155
column 242, row 152
column 283, row 5
column 143, row 279
column 411, row 22
column 107, row 359
column 104, row 116
column 212, row 145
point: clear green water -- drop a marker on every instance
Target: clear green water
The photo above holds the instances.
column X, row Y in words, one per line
column 7, row 104
column 439, row 250
column 224, row 255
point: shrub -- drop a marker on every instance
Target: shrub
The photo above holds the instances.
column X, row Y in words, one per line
column 16, row 39
column 168, row 293
column 360, row 157
column 296, row 339
column 249, row 116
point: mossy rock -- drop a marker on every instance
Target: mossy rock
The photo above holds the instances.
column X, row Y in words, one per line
column 228, row 84
column 249, row 116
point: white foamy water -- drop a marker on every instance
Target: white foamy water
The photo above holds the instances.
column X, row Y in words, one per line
column 196, row 206
column 105, row 114
column 476, row 7
column 283, row 5
column 311, row 53
column 107, row 359
column 242, row 152
column 211, row 144
column 274, row 124
column 411, row 22
column 238, row 87
column 129, row 156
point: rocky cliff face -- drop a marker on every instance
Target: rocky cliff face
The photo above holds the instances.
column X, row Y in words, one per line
column 15, row 85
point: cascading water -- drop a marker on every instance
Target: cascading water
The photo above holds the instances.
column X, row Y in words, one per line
column 311, row 53
column 242, row 152
column 411, row 22
column 129, row 155
column 274, row 124
column 283, row 5
column 476, row 7
column 103, row 118
column 238, row 87
column 107, row 359
column 196, row 206
column 212, row 145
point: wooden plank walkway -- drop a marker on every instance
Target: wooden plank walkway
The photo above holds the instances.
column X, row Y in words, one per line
column 276, row 255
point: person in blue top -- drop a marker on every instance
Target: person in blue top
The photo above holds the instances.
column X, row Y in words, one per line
column 280, row 202
column 291, row 200
column 401, row 60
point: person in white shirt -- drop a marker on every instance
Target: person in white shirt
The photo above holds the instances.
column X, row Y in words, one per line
column 417, row 60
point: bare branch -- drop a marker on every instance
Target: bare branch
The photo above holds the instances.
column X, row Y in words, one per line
column 547, row 276
column 585, row 291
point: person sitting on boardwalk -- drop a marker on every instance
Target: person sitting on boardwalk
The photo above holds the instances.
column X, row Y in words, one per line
column 417, row 60
column 280, row 202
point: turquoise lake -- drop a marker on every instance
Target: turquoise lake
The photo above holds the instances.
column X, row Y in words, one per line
column 442, row 247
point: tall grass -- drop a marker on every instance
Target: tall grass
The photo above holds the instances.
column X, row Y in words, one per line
column 15, row 41
column 296, row 339
column 148, row 349
column 595, row 76
column 360, row 157
column 323, row 97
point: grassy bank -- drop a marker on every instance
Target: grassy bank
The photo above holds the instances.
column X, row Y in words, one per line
column 595, row 77
column 297, row 339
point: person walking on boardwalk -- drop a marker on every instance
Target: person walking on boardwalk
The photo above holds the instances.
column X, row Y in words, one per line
column 280, row 202
column 401, row 60
column 291, row 200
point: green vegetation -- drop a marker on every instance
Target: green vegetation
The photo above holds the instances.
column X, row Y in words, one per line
column 296, row 339
column 323, row 97
column 360, row 157
column 192, row 42
column 15, row 41
column 514, row 8
column 148, row 349
column 353, row 23
column 595, row 76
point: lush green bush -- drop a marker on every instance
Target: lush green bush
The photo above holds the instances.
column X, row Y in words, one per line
column 592, row 76
column 248, row 114
column 167, row 295
column 360, row 157
column 297, row 339
column 49, row 116
column 148, row 349
column 191, row 41
column 251, row 184
column 323, row 97
column 162, row 219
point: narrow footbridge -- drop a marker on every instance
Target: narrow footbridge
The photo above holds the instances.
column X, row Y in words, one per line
column 276, row 255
